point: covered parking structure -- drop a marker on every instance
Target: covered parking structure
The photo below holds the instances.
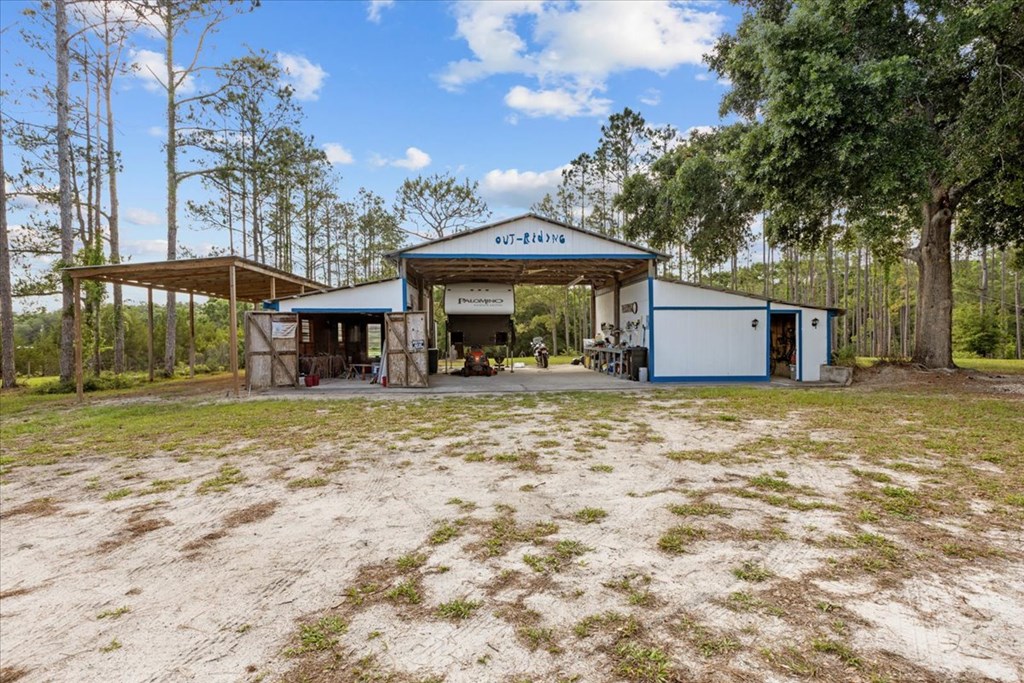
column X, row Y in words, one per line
column 221, row 277
column 686, row 332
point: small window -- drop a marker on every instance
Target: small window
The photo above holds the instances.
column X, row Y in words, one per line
column 341, row 333
column 305, row 331
column 373, row 340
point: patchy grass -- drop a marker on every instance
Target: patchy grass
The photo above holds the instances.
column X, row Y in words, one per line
column 114, row 613
column 307, row 482
column 752, row 571
column 645, row 664
column 406, row 592
column 590, row 515
column 226, row 477
column 678, row 539
column 909, row 483
column 445, row 531
column 457, row 610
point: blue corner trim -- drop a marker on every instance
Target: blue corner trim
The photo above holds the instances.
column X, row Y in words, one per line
column 650, row 329
column 405, row 294
column 532, row 257
column 340, row 310
column 828, row 337
column 715, row 379
column 271, row 305
column 768, row 341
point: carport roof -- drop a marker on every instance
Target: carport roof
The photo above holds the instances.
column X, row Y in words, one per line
column 587, row 256
column 254, row 282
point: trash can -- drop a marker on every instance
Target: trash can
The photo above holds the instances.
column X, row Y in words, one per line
column 792, row 372
column 637, row 360
column 432, row 361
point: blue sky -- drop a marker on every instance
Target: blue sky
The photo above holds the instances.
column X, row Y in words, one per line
column 501, row 93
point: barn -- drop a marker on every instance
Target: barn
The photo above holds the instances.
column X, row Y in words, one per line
column 646, row 326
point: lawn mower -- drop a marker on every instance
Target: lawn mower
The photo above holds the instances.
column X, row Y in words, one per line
column 478, row 364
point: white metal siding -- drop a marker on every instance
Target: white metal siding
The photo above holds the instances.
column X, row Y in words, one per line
column 635, row 293
column 678, row 294
column 376, row 296
column 524, row 238
column 815, row 341
column 604, row 310
column 710, row 344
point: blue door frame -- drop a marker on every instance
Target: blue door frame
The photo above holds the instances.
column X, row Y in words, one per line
column 799, row 336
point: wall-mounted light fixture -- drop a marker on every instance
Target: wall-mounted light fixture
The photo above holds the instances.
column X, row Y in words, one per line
column 754, row 323
column 814, row 323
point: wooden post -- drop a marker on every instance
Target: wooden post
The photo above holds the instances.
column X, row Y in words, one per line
column 593, row 311
column 191, row 335
column 273, row 288
column 615, row 299
column 233, row 328
column 149, row 301
column 79, row 383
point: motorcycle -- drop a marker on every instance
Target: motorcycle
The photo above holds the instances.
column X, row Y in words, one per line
column 540, row 352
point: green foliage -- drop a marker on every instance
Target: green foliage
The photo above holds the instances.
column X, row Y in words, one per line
column 439, row 204
column 976, row 332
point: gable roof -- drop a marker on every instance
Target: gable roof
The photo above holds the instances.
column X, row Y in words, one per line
column 750, row 295
column 395, row 255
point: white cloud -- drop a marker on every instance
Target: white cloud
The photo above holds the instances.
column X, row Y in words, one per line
column 703, row 76
column 700, row 130
column 651, row 97
column 157, row 131
column 520, row 189
column 336, row 154
column 375, row 7
column 130, row 15
column 575, row 46
column 151, row 69
column 303, row 76
column 145, row 250
column 141, row 216
column 559, row 103
column 415, row 159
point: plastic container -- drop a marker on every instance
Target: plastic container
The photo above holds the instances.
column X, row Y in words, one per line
column 643, row 374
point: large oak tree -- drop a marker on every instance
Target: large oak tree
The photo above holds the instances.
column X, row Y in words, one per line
column 889, row 109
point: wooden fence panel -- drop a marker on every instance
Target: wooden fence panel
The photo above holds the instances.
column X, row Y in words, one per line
column 407, row 349
column 271, row 349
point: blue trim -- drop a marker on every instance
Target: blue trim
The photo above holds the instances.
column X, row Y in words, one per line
column 533, row 257
column 715, row 378
column 709, row 308
column 405, row 294
column 271, row 305
column 799, row 339
column 340, row 310
column 768, row 341
column 828, row 337
column 650, row 329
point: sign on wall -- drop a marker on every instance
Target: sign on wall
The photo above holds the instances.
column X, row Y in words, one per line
column 480, row 298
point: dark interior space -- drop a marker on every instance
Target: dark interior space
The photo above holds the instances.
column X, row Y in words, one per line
column 335, row 344
column 783, row 351
column 467, row 331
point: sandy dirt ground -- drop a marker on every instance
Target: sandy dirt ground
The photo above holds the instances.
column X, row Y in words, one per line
column 287, row 569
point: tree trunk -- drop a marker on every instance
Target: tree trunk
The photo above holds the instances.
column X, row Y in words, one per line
column 114, row 220
column 170, row 338
column 983, row 286
column 933, row 338
column 8, row 378
column 67, row 238
column 1016, row 309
